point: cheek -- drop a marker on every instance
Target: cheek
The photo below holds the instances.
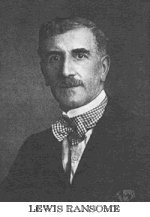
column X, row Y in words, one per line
column 92, row 76
column 50, row 73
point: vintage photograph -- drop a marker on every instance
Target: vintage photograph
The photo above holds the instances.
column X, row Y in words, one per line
column 75, row 101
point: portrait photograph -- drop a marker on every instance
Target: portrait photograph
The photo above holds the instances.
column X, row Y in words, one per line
column 75, row 101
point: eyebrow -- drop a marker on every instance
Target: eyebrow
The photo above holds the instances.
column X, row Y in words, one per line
column 53, row 53
column 80, row 50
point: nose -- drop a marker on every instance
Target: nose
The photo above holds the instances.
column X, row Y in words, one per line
column 68, row 67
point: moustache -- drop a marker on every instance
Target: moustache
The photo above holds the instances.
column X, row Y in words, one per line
column 69, row 82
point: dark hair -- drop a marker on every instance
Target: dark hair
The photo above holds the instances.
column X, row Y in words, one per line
column 62, row 25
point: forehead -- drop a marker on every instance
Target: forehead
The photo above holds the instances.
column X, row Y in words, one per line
column 73, row 39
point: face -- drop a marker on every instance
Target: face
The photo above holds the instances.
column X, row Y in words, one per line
column 73, row 67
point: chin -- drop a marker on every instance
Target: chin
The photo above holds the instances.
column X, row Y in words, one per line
column 68, row 104
column 71, row 99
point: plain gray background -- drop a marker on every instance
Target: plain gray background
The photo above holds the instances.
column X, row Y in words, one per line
column 27, row 106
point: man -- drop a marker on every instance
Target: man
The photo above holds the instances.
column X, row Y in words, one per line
column 96, row 150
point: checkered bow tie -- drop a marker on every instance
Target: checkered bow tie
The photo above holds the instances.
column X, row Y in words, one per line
column 75, row 128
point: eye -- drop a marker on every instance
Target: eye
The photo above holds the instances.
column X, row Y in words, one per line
column 81, row 56
column 54, row 58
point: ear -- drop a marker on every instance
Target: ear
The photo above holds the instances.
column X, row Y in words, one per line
column 105, row 61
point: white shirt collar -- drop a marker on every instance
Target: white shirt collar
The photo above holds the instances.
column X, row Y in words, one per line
column 81, row 110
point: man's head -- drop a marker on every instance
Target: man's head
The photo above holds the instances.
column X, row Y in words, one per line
column 73, row 60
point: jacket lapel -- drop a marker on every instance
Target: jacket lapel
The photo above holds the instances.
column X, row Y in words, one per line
column 100, row 156
column 97, row 150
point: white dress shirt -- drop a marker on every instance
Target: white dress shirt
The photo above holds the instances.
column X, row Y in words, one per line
column 77, row 151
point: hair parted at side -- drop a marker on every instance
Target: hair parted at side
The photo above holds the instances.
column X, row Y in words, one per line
column 62, row 25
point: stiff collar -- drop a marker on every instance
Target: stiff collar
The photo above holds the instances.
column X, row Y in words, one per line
column 81, row 110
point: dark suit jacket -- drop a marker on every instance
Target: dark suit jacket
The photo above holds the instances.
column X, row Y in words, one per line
column 115, row 165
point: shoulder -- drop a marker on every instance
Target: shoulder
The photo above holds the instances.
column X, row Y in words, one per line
column 40, row 138
column 118, row 115
column 32, row 156
column 38, row 144
column 128, row 130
